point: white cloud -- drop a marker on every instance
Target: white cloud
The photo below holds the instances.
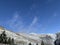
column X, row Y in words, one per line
column 34, row 25
column 15, row 23
column 34, row 21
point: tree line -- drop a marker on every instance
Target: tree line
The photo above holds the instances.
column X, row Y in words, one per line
column 6, row 40
column 42, row 43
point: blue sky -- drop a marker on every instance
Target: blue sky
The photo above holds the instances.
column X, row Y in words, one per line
column 30, row 16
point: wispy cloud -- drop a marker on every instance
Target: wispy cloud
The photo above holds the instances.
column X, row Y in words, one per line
column 34, row 25
column 34, row 21
column 15, row 23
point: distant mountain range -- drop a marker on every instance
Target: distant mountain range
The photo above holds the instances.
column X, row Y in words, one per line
column 47, row 38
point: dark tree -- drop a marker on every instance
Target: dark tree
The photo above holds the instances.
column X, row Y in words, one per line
column 5, row 40
column 9, row 40
column 37, row 44
column 12, row 41
column 4, row 37
column 30, row 44
column 1, row 39
column 42, row 43
column 3, row 33
column 57, row 42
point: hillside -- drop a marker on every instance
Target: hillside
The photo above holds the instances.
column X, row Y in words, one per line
column 36, row 38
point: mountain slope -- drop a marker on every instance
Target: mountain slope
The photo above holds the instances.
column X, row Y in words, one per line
column 47, row 38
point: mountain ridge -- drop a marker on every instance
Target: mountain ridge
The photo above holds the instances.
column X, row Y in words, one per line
column 30, row 37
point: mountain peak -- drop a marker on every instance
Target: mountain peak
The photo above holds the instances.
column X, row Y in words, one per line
column 2, row 28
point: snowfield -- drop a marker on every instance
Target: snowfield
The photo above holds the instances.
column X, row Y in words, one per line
column 47, row 38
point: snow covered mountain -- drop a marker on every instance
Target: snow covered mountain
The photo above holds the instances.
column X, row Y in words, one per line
column 34, row 38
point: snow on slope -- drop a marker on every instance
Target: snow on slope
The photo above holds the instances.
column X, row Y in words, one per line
column 30, row 37
column 47, row 38
column 13, row 35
